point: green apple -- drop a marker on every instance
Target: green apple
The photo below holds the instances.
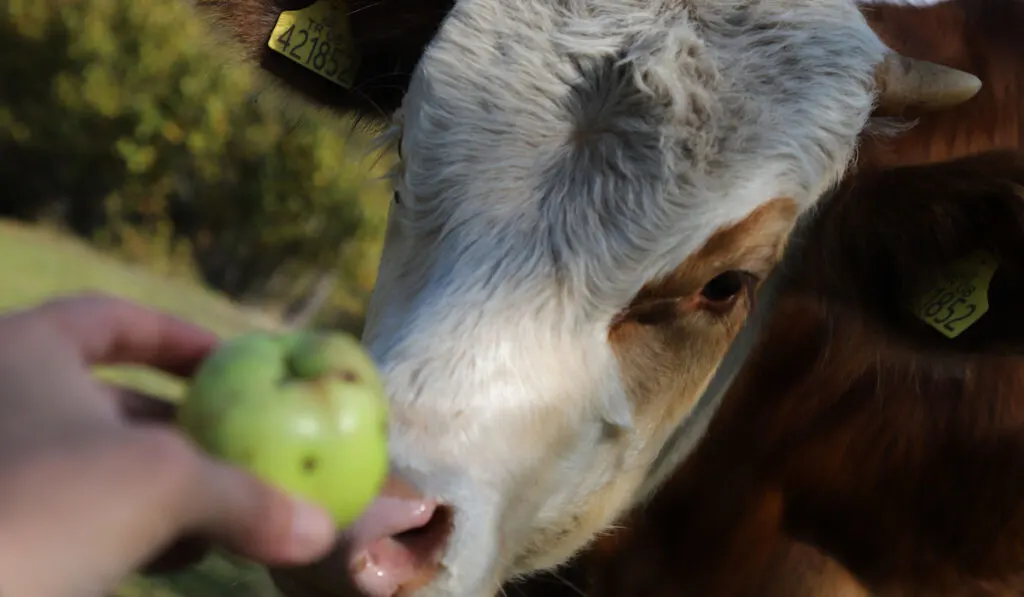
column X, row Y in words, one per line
column 304, row 411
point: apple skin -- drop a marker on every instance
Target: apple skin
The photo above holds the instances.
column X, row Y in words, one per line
column 304, row 411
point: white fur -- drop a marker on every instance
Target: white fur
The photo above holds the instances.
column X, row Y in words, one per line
column 540, row 189
column 902, row 2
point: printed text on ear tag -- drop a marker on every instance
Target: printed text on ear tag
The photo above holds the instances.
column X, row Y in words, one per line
column 318, row 37
column 960, row 298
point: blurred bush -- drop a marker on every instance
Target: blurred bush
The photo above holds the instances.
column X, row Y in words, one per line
column 133, row 124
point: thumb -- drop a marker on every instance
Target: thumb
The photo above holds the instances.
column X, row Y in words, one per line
column 253, row 519
column 235, row 508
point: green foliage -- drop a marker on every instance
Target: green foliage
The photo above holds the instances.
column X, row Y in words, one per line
column 216, row 576
column 137, row 125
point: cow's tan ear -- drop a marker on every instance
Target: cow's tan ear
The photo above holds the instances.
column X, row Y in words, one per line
column 905, row 82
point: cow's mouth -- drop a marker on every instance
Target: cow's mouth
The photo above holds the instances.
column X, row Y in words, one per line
column 399, row 564
column 397, row 544
column 393, row 550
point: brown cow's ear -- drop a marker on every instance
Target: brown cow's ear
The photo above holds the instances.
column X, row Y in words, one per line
column 387, row 37
column 1001, row 328
column 883, row 244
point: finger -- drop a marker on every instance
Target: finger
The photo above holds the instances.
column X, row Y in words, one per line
column 188, row 551
column 108, row 330
column 271, row 540
column 185, row 553
column 173, row 490
column 258, row 521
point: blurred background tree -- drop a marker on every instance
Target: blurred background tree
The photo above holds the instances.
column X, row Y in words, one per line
column 132, row 125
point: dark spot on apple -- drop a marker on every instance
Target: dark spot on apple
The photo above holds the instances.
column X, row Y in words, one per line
column 310, row 464
column 349, row 376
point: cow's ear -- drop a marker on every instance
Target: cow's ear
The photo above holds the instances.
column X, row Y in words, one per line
column 934, row 254
column 382, row 40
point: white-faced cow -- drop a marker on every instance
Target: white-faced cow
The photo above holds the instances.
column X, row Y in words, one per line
column 589, row 194
column 860, row 452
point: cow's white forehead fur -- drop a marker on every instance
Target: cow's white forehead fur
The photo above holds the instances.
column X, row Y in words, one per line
column 558, row 155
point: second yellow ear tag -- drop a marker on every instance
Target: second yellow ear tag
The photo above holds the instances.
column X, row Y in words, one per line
column 960, row 298
column 318, row 38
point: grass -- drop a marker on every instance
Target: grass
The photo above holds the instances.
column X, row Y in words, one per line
column 36, row 264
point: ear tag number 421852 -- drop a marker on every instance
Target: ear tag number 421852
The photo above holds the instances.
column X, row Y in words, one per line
column 318, row 38
column 960, row 298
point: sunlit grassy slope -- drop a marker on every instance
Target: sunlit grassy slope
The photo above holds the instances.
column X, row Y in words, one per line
column 37, row 263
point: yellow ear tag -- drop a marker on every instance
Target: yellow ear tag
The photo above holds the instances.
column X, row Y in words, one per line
column 960, row 298
column 318, row 38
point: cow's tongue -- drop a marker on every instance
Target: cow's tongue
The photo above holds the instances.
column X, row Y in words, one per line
column 386, row 517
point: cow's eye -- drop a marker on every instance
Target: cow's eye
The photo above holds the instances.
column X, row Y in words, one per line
column 397, row 198
column 723, row 290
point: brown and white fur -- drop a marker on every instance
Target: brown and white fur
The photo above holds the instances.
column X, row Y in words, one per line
column 589, row 193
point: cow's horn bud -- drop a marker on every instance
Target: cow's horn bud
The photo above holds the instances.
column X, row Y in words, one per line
column 905, row 82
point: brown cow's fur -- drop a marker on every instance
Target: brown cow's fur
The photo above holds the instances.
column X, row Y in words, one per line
column 982, row 37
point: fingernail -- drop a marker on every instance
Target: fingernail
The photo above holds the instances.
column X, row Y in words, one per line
column 312, row 530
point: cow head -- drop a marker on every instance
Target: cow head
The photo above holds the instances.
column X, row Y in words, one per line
column 589, row 194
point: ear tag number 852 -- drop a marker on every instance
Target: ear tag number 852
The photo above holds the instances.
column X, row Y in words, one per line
column 961, row 298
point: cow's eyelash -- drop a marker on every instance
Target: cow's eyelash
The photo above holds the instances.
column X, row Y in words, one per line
column 398, row 150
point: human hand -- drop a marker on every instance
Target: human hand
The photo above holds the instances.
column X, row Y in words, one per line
column 93, row 483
